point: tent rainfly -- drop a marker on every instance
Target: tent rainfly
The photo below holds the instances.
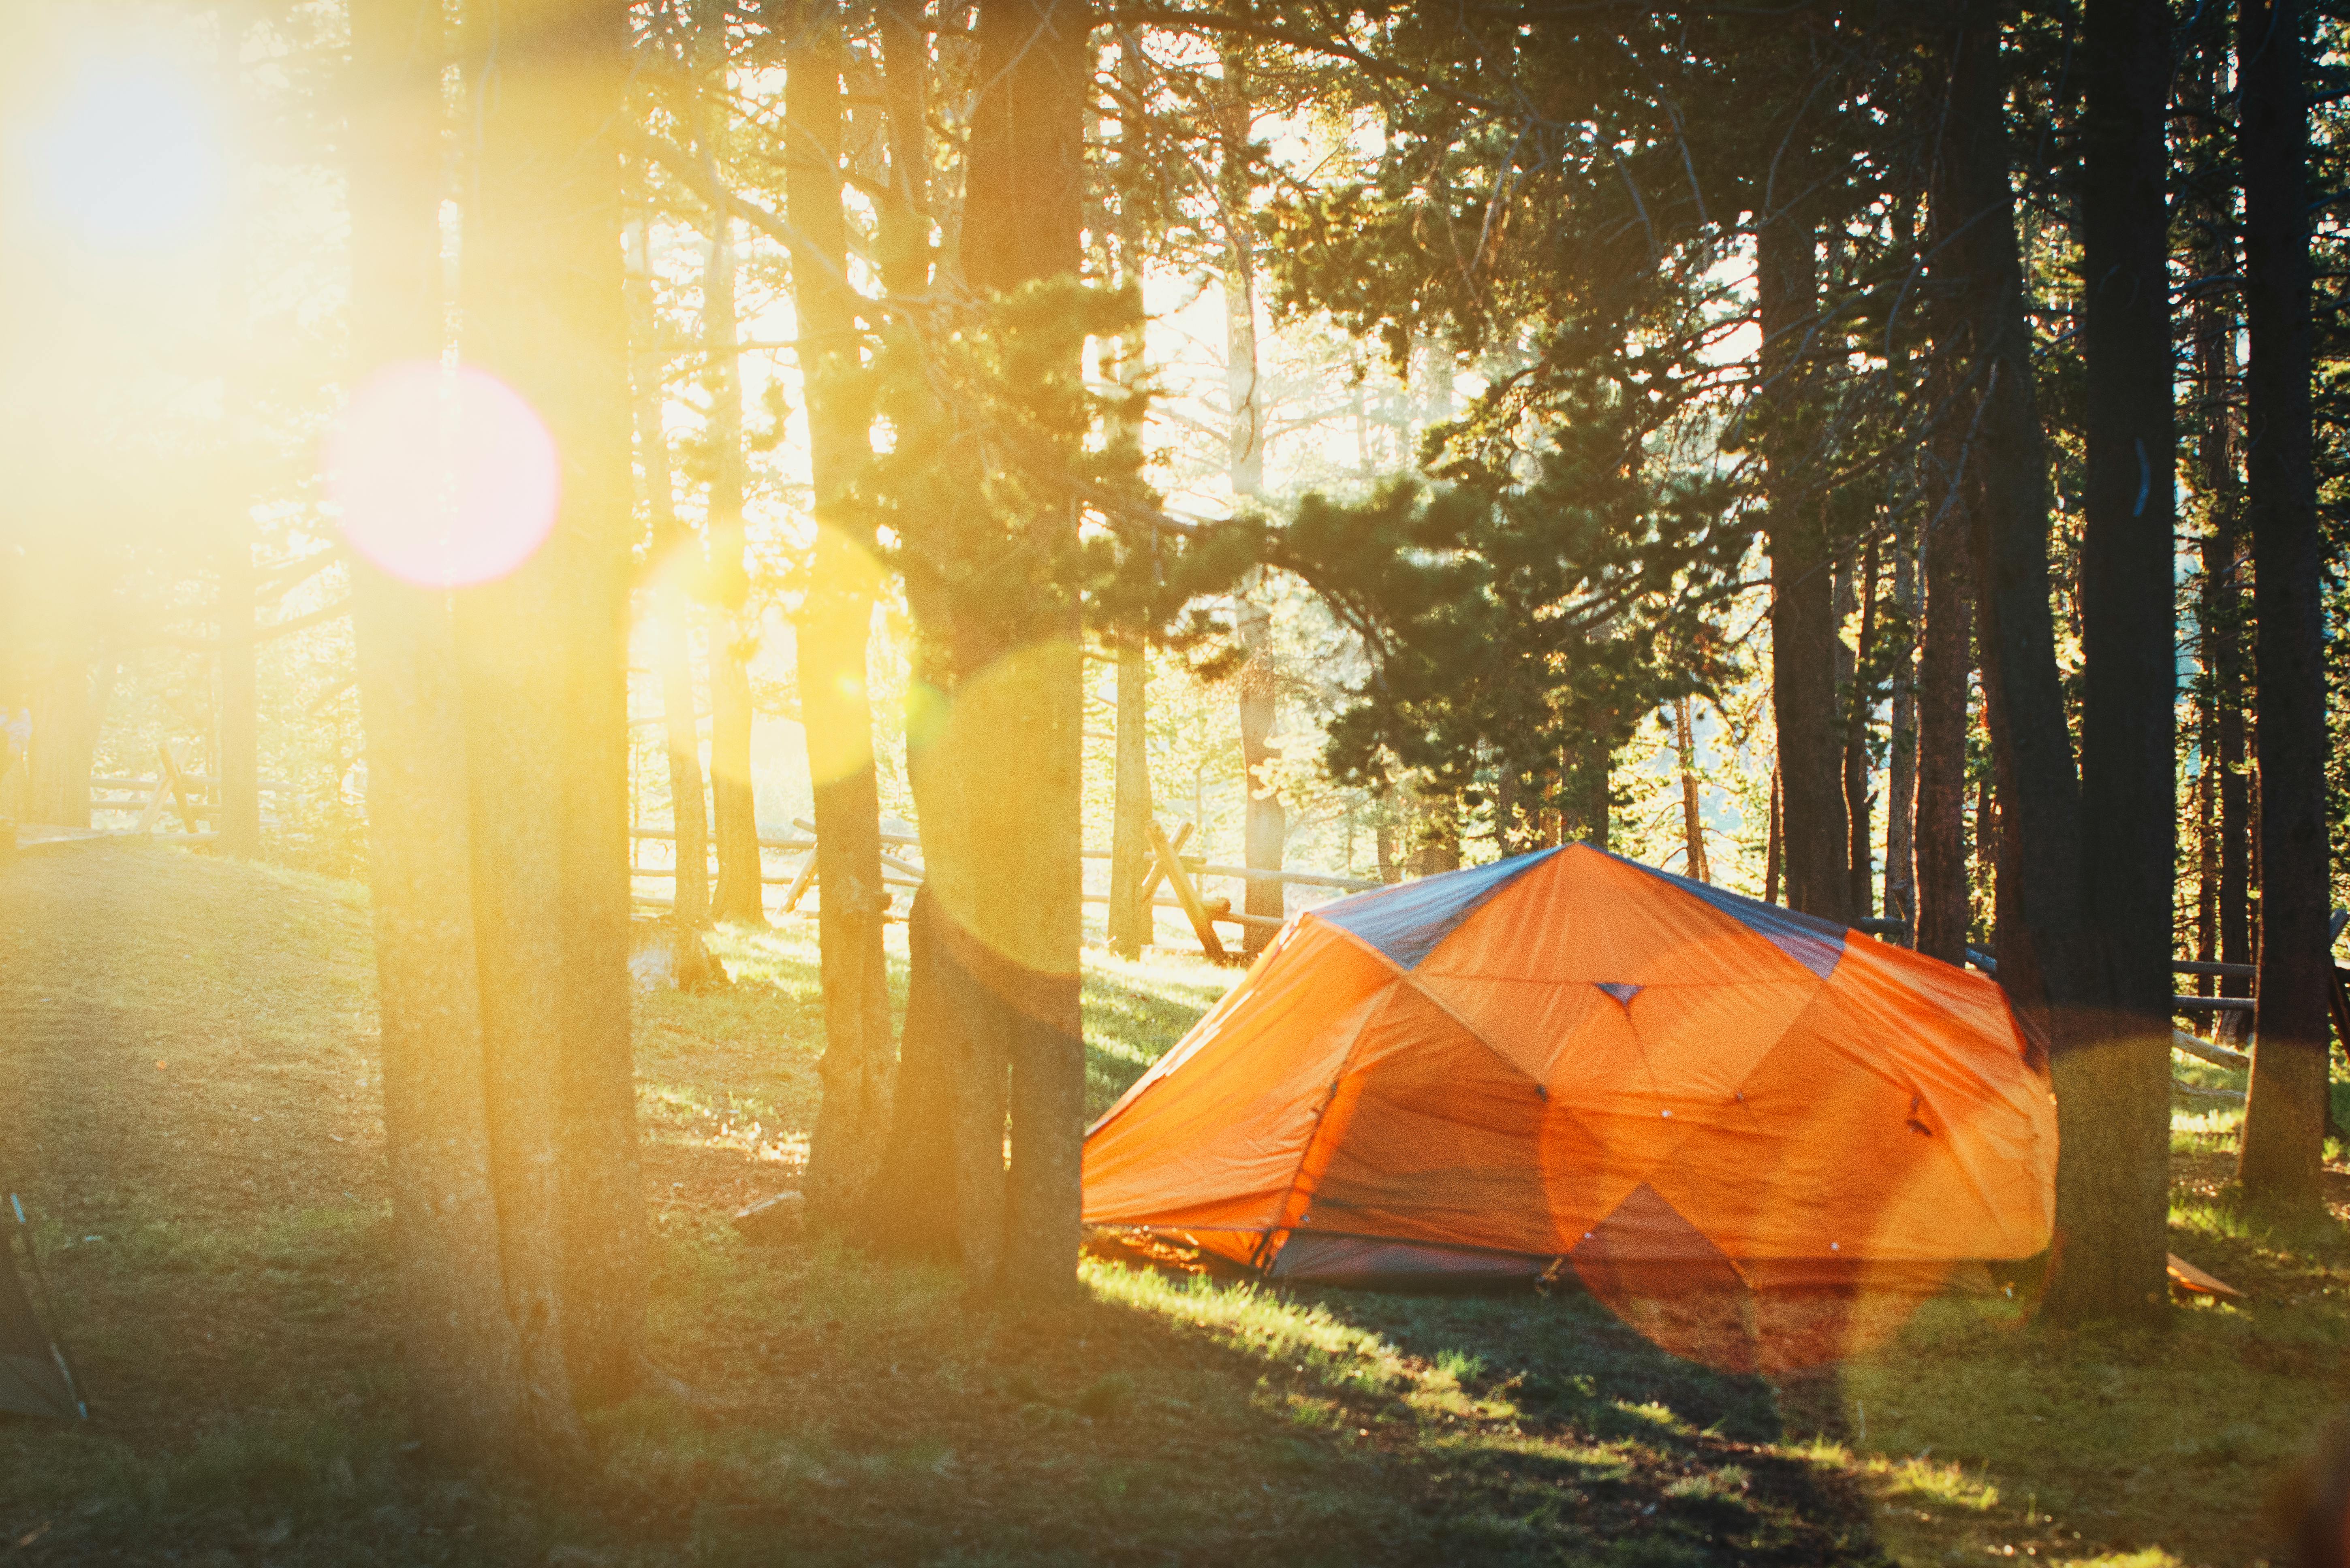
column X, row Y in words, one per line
column 34, row 1378
column 1567, row 1061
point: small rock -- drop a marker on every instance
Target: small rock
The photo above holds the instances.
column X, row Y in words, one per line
column 775, row 1221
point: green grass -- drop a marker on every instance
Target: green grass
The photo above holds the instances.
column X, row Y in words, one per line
column 216, row 1237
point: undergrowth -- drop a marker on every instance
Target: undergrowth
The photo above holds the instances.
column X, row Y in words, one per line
column 188, row 1045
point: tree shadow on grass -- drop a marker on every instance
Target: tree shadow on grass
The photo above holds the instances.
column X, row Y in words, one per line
column 1700, row 1441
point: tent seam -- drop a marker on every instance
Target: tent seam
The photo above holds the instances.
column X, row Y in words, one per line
column 1437, row 1002
column 1314, row 1134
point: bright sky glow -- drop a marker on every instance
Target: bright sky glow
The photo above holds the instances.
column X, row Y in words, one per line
column 444, row 478
column 128, row 158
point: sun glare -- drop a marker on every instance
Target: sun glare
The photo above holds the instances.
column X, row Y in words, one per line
column 444, row 478
column 128, row 158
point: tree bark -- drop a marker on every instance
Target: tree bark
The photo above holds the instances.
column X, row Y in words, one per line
column 240, row 762
column 2223, row 803
column 239, row 822
column 2285, row 1113
column 914, row 1211
column 1804, row 642
column 673, row 569
column 68, row 699
column 1945, row 902
column 2115, row 1091
column 1901, row 773
column 1859, row 690
column 1692, row 819
column 1595, row 791
column 1012, row 853
column 462, row 1354
column 2101, row 1265
column 546, row 723
column 2222, row 613
column 836, row 709
column 1130, row 924
column 740, row 895
column 1264, row 823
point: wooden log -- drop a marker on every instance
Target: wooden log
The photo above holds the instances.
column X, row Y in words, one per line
column 1152, row 878
column 671, row 872
column 788, row 845
column 1180, row 880
column 153, row 813
column 2195, row 1092
column 1301, row 879
column 179, row 787
column 2203, row 1050
column 913, row 840
column 1229, row 918
column 202, row 781
column 1200, row 868
column 2197, row 966
column 2212, row 1004
column 802, row 880
column 886, row 879
column 202, row 808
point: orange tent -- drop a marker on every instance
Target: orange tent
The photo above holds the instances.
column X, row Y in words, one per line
column 1569, row 1061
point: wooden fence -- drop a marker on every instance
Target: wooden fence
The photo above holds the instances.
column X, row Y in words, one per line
column 172, row 794
column 1179, row 874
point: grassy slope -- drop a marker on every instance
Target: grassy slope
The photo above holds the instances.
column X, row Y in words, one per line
column 187, row 1096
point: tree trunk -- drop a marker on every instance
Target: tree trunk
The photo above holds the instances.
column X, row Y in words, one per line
column 672, row 568
column 741, row 895
column 1692, row 819
column 1596, row 782
column 1945, row 900
column 240, row 762
column 914, row 1210
column 1264, row 823
column 2286, row 1114
column 2218, row 694
column 1804, row 641
column 1858, row 692
column 1011, row 855
column 68, row 699
column 239, row 822
column 836, row 712
column 462, row 1354
column 1901, row 774
column 2226, row 851
column 2101, row 1266
column 2114, row 1108
column 1130, row 924
column 546, row 655
column 1771, row 858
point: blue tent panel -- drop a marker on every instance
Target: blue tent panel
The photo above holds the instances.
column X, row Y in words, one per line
column 1408, row 920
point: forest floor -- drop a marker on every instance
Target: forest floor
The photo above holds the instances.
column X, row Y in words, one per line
column 189, row 1102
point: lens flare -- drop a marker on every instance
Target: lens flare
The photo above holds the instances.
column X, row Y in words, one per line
column 129, row 159
column 444, row 478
